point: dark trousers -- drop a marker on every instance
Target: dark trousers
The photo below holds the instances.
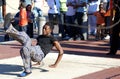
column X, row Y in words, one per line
column 62, row 24
column 53, row 18
column 30, row 30
column 70, row 28
column 80, row 31
column 115, row 39
column 23, row 28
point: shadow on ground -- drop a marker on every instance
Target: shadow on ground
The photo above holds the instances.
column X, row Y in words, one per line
column 8, row 69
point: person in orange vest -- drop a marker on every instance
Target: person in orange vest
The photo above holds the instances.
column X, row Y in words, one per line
column 23, row 20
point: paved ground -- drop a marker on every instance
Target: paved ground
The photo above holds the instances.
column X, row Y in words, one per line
column 82, row 59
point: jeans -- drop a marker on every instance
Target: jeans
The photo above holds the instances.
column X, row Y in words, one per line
column 1, row 17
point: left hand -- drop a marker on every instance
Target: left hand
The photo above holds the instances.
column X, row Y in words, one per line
column 52, row 66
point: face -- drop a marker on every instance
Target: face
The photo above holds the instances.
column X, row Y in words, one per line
column 29, row 8
column 101, row 6
column 46, row 30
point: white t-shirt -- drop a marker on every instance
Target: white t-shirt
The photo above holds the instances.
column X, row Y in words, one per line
column 71, row 11
column 39, row 3
column 93, row 6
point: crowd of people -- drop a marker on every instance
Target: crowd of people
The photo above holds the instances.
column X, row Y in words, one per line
column 76, row 19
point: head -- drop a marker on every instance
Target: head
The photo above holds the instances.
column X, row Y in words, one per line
column 47, row 28
column 101, row 6
column 22, row 5
column 28, row 7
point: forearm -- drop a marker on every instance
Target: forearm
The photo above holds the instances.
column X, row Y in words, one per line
column 58, row 59
column 60, row 55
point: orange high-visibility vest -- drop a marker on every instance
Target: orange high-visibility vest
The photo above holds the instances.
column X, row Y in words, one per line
column 108, row 13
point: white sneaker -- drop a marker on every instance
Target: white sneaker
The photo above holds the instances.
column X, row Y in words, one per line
column 107, row 37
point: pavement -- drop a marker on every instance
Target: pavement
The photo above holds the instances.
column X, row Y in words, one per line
column 81, row 60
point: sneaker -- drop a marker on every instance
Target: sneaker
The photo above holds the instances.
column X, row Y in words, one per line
column 70, row 39
column 23, row 74
column 66, row 38
column 78, row 39
column 107, row 37
column 110, row 54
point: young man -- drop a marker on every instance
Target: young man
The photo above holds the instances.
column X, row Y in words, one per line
column 45, row 43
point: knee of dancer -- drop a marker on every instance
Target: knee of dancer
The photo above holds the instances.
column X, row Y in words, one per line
column 24, row 49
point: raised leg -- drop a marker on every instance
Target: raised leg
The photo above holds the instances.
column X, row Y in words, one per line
column 21, row 37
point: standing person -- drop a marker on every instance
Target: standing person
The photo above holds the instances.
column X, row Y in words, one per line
column 81, row 8
column 92, row 7
column 62, row 23
column 30, row 17
column 23, row 20
column 54, row 11
column 2, row 10
column 115, row 35
column 100, row 16
column 45, row 43
column 70, row 19
column 38, row 7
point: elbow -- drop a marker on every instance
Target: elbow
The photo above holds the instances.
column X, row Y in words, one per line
column 61, row 52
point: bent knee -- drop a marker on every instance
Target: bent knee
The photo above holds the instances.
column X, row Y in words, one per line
column 24, row 49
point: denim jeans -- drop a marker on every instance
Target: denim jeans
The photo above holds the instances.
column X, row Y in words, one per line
column 1, row 17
